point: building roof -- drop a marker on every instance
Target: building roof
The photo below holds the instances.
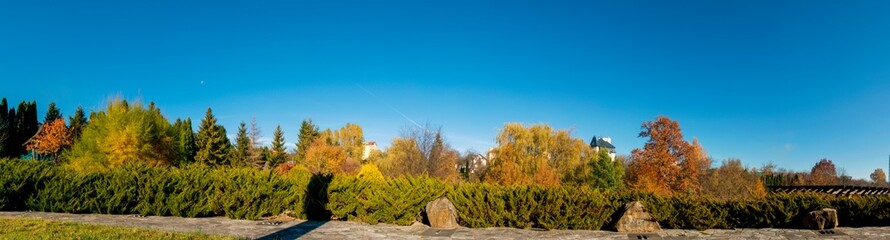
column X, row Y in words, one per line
column 599, row 142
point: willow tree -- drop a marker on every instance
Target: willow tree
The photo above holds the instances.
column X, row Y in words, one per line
column 538, row 154
column 123, row 133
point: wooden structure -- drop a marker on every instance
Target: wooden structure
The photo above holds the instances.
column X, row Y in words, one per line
column 840, row 190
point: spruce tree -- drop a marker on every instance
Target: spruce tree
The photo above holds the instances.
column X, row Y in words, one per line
column 185, row 141
column 278, row 152
column 77, row 123
column 242, row 147
column 26, row 126
column 308, row 133
column 5, row 130
column 213, row 145
column 11, row 134
column 52, row 113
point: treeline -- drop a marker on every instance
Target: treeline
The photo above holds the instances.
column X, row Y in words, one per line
column 822, row 173
column 130, row 132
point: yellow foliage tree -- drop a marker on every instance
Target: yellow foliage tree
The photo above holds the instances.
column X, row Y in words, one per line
column 123, row 133
column 538, row 154
column 421, row 152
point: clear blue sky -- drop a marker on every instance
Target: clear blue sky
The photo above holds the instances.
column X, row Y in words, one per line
column 784, row 81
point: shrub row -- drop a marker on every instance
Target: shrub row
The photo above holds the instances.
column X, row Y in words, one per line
column 196, row 191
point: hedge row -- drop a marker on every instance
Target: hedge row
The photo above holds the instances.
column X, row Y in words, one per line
column 196, row 191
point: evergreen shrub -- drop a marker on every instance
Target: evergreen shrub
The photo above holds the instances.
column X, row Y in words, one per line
column 245, row 193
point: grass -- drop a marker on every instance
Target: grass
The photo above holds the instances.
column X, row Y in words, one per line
column 18, row 228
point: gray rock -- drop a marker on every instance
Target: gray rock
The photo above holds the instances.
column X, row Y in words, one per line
column 825, row 218
column 442, row 214
column 635, row 219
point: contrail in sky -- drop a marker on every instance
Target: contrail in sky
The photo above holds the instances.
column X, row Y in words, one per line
column 388, row 105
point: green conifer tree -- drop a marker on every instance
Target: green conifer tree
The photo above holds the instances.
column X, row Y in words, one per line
column 26, row 126
column 185, row 141
column 606, row 173
column 240, row 157
column 278, row 154
column 5, row 129
column 11, row 135
column 77, row 123
column 308, row 133
column 52, row 113
column 213, row 145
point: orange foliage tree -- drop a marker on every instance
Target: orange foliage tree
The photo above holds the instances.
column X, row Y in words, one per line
column 323, row 157
column 51, row 139
column 667, row 164
column 823, row 173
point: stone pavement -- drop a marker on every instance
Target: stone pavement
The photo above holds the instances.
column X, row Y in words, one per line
column 353, row 230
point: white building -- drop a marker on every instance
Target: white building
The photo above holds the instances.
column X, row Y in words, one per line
column 369, row 147
column 603, row 143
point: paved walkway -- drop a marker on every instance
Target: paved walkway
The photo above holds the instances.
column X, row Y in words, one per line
column 353, row 230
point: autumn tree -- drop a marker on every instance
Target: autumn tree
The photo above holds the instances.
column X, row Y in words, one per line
column 278, row 153
column 666, row 164
column 879, row 178
column 823, row 173
column 323, row 157
column 77, row 123
column 421, row 151
column 241, row 149
column 308, row 133
column 51, row 139
column 538, row 154
column 213, row 144
column 52, row 113
column 732, row 181
column 352, row 140
column 123, row 133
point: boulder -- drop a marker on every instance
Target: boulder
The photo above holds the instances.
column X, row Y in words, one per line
column 635, row 219
column 442, row 214
column 825, row 218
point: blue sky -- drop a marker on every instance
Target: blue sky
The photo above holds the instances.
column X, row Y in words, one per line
column 784, row 81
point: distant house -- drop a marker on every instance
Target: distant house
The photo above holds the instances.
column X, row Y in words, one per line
column 603, row 143
column 369, row 147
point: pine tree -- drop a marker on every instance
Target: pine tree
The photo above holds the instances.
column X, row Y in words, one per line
column 52, row 113
column 278, row 152
column 308, row 133
column 77, row 123
column 25, row 126
column 242, row 147
column 5, row 129
column 606, row 173
column 213, row 145
column 186, row 147
column 11, row 135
